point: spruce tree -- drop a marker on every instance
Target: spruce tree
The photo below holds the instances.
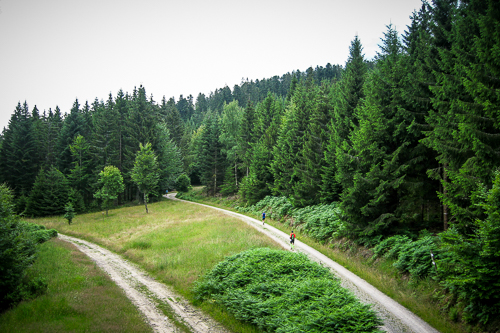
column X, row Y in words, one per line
column 211, row 161
column 291, row 139
column 49, row 195
column 311, row 164
column 73, row 125
column 230, row 124
column 346, row 96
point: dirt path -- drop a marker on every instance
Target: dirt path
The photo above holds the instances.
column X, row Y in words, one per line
column 147, row 294
column 397, row 319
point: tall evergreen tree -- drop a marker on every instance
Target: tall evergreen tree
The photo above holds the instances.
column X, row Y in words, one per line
column 210, row 158
column 49, row 195
column 230, row 124
column 73, row 125
column 311, row 163
column 346, row 97
column 247, row 135
column 291, row 138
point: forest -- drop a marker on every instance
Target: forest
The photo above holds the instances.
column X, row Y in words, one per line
column 403, row 148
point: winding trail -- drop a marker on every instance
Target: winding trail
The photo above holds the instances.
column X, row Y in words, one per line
column 397, row 319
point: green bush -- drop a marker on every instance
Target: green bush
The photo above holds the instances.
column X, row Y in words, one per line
column 182, row 183
column 280, row 291
column 413, row 257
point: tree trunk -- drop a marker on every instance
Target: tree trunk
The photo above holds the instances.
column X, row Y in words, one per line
column 146, row 202
column 235, row 175
column 445, row 207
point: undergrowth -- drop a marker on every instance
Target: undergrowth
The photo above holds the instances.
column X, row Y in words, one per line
column 280, row 291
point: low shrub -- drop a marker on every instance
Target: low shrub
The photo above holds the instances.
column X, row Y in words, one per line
column 280, row 291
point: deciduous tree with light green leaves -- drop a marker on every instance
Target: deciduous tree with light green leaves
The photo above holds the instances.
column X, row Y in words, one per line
column 146, row 171
column 111, row 182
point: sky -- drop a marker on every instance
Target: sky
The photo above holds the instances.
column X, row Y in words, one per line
column 54, row 51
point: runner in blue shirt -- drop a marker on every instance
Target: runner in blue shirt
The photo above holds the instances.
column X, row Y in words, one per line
column 263, row 217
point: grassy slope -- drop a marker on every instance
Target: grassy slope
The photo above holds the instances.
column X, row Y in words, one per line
column 80, row 297
column 176, row 242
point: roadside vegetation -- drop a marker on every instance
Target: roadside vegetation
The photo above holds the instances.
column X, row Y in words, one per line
column 79, row 297
column 282, row 291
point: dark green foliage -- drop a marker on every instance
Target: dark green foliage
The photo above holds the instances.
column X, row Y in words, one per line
column 49, row 195
column 73, row 125
column 412, row 257
column 182, row 183
column 17, row 252
column 18, row 156
column 210, row 157
column 321, row 222
column 286, row 166
column 472, row 272
column 281, row 291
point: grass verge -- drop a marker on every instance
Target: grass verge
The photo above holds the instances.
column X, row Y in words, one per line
column 79, row 298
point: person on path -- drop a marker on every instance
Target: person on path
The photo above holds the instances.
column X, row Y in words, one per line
column 292, row 241
column 263, row 217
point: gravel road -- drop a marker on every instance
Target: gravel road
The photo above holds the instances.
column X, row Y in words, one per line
column 397, row 319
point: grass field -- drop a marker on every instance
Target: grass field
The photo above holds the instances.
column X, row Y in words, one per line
column 176, row 243
column 80, row 297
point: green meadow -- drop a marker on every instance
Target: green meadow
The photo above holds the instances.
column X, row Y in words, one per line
column 176, row 243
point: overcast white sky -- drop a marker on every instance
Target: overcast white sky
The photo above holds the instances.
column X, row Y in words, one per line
column 53, row 51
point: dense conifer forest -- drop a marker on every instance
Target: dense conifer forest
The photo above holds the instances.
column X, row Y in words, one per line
column 406, row 146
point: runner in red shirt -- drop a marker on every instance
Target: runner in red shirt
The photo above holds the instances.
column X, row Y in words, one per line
column 292, row 241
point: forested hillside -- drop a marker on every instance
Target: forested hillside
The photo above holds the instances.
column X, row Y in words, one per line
column 406, row 142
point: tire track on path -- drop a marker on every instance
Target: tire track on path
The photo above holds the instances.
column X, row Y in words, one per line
column 396, row 318
column 145, row 292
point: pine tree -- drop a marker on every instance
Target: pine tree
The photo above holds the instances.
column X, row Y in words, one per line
column 49, row 195
column 81, row 172
column 378, row 159
column 311, row 164
column 22, row 156
column 230, row 124
column 73, row 125
column 210, row 158
column 259, row 182
column 169, row 159
column 291, row 139
column 346, row 95
column 173, row 120
column 247, row 135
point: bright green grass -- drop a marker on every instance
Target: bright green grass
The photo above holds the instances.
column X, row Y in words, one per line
column 80, row 298
column 176, row 243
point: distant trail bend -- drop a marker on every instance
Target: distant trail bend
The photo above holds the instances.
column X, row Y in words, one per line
column 397, row 319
